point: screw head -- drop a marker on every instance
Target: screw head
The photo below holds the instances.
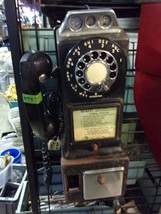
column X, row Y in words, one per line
column 43, row 78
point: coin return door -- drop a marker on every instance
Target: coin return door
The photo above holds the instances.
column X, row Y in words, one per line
column 102, row 183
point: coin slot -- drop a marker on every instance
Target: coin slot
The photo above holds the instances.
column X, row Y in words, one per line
column 73, row 183
column 90, row 21
column 105, row 21
column 75, row 23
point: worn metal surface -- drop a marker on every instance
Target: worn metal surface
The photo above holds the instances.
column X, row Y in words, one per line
column 71, row 45
column 100, row 183
column 76, row 168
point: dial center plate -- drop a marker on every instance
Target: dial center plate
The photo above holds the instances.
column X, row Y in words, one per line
column 96, row 72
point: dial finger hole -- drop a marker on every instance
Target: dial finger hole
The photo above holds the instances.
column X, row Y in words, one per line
column 112, row 75
column 86, row 58
column 102, row 55
column 81, row 65
column 81, row 81
column 94, row 55
column 113, row 66
column 109, row 60
column 87, row 86
column 79, row 73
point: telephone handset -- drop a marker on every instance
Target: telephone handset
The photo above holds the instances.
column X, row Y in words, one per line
column 35, row 68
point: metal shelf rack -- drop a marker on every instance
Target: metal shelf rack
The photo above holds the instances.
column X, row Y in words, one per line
column 146, row 191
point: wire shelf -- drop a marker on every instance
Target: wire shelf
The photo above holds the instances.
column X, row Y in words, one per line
column 144, row 179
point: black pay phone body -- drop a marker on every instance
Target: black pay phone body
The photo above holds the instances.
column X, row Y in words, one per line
column 91, row 55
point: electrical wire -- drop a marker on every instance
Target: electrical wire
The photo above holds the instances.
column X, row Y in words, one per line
column 47, row 169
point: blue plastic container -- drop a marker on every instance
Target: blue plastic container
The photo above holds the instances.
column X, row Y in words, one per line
column 13, row 104
column 15, row 153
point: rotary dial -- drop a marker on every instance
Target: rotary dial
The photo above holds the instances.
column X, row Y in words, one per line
column 96, row 71
column 94, row 66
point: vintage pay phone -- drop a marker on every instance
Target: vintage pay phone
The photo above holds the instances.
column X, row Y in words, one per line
column 91, row 56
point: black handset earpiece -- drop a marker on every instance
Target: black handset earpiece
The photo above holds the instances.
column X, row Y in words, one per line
column 36, row 68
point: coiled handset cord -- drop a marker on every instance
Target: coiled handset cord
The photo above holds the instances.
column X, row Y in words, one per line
column 47, row 168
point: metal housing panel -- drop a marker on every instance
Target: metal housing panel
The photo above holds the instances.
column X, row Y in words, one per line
column 103, row 183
